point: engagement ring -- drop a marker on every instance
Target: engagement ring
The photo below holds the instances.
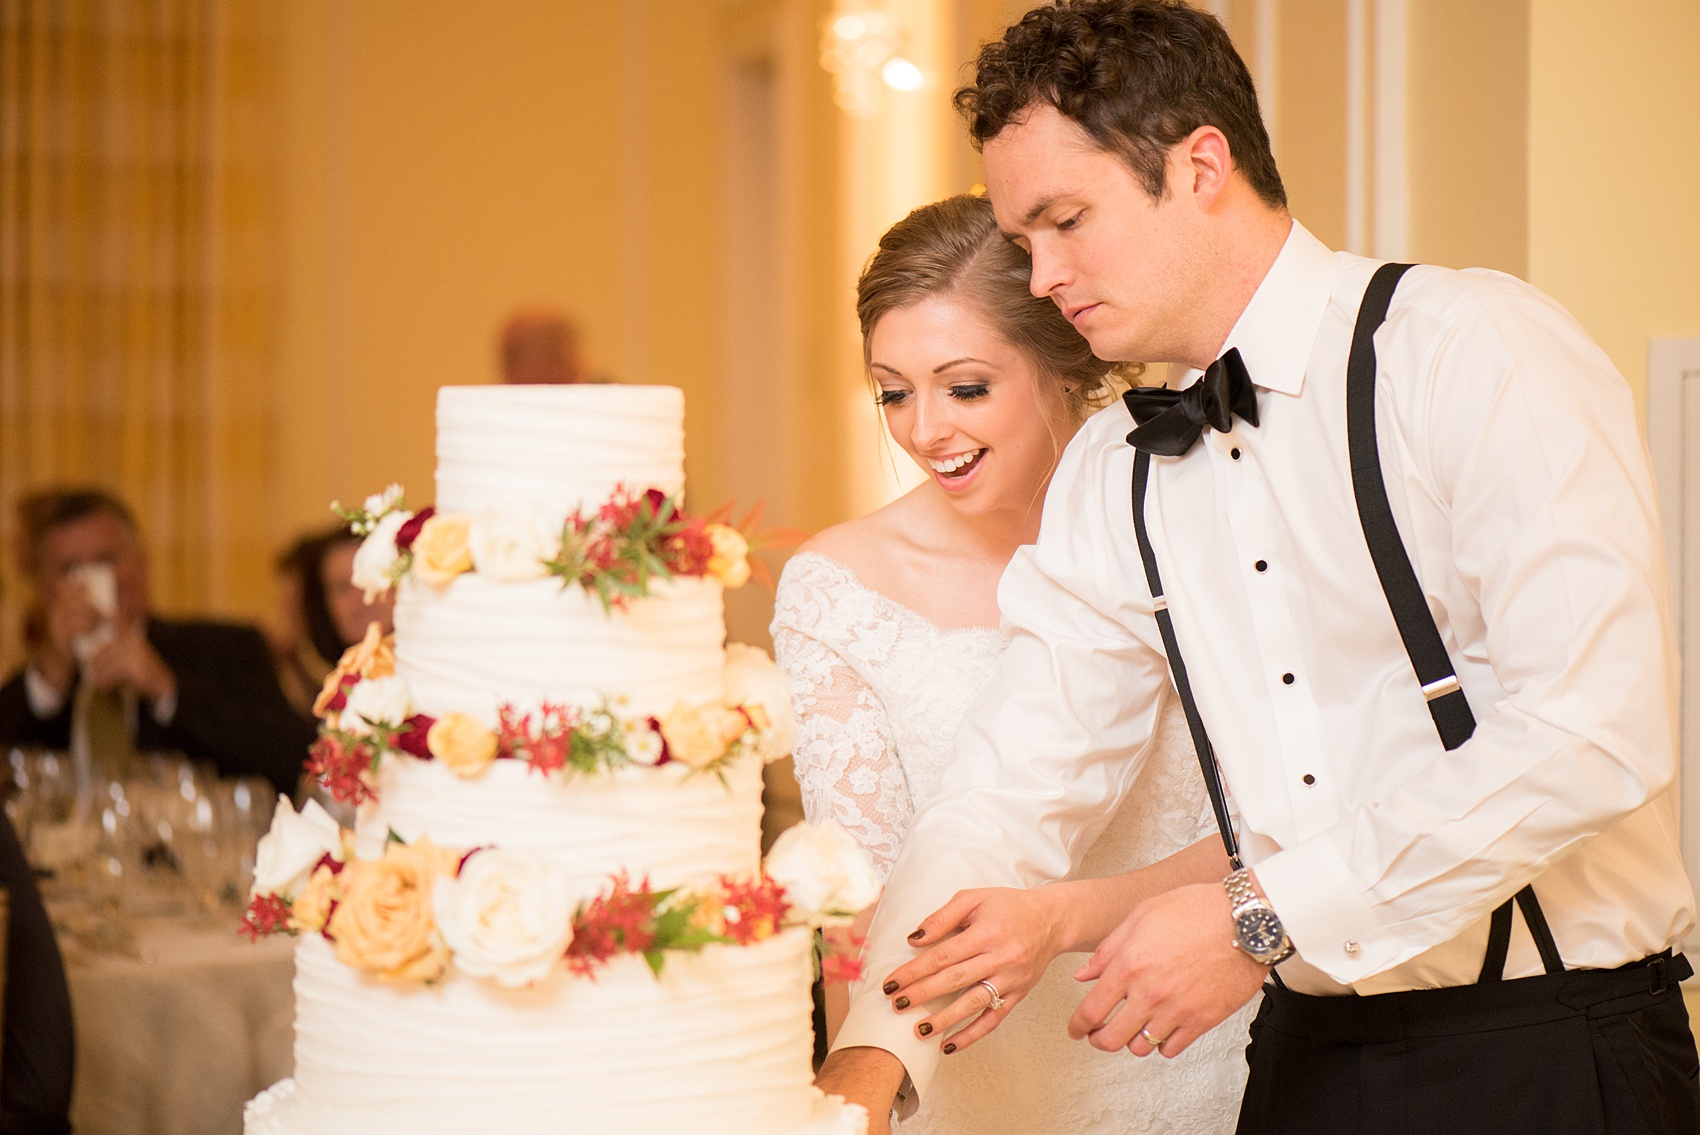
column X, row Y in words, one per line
column 997, row 998
column 1151, row 1040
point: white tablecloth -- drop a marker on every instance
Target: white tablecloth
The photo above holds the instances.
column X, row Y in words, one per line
column 173, row 1042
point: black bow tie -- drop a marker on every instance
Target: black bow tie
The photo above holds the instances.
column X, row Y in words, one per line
column 1171, row 420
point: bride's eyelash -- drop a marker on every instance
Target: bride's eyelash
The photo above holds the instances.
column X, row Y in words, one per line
column 968, row 393
column 890, row 397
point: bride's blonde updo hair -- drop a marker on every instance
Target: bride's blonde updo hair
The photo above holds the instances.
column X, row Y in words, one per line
column 953, row 247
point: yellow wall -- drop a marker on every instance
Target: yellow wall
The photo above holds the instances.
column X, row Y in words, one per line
column 1614, row 169
column 449, row 160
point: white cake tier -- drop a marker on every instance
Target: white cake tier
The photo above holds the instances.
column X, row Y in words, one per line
column 717, row 1045
column 477, row 643
column 556, row 446
column 667, row 824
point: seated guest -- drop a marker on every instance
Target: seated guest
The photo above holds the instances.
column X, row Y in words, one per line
column 36, row 1050
column 321, row 613
column 205, row 689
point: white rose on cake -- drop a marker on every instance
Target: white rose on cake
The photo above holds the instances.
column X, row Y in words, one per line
column 512, row 543
column 508, row 917
column 827, row 877
column 376, row 701
column 375, row 559
column 296, row 841
column 752, row 678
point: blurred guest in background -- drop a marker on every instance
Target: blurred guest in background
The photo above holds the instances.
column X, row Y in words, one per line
column 321, row 613
column 205, row 689
column 35, row 1068
column 540, row 345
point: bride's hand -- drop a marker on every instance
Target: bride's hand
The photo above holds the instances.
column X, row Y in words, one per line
column 1002, row 935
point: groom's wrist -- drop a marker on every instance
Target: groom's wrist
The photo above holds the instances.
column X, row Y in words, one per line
column 865, row 1075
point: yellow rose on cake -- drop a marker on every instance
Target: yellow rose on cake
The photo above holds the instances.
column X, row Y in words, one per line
column 698, row 737
column 371, row 657
column 443, row 549
column 463, row 743
column 384, row 925
column 756, row 683
column 312, row 906
column 730, row 558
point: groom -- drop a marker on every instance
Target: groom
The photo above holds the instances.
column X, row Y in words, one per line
column 1386, row 821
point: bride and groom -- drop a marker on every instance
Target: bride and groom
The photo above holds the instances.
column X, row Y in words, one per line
column 1220, row 693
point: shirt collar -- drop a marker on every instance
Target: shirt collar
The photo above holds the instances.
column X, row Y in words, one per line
column 1278, row 328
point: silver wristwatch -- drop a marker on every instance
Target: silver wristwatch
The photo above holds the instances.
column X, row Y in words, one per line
column 1258, row 932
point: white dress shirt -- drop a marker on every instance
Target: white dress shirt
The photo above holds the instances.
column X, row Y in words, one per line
column 1521, row 486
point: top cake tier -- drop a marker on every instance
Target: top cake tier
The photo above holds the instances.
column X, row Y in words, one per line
column 562, row 447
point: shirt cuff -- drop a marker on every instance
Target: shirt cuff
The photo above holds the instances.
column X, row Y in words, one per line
column 871, row 1023
column 1324, row 911
column 45, row 701
column 164, row 710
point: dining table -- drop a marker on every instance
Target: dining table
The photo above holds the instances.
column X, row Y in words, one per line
column 179, row 1022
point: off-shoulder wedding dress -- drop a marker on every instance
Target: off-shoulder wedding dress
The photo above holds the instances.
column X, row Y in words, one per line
column 880, row 691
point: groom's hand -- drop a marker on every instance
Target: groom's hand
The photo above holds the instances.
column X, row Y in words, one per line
column 1173, row 968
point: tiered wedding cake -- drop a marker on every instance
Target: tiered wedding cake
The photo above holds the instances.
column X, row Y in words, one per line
column 552, row 915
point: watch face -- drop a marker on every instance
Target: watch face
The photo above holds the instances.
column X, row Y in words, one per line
column 1260, row 932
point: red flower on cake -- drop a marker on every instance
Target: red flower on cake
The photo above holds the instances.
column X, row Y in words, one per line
column 619, row 922
column 754, row 910
column 841, row 955
column 545, row 748
column 409, row 532
column 410, row 739
column 266, row 915
column 341, row 763
column 688, row 550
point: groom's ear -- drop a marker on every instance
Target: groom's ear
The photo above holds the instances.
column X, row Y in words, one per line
column 1200, row 166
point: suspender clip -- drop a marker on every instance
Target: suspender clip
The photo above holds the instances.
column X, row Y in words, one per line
column 1441, row 687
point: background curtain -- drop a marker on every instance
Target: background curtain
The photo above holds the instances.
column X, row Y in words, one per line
column 136, row 280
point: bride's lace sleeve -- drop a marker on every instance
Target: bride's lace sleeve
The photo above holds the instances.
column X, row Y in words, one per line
column 846, row 762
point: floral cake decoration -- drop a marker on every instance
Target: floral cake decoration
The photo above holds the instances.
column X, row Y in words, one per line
column 366, row 714
column 616, row 551
column 509, row 915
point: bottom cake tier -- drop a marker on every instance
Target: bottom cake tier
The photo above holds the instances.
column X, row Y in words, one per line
column 718, row 1044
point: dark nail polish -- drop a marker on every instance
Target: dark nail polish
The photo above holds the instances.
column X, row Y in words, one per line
column 889, row 988
column 902, row 1002
column 949, row 1048
column 917, row 936
column 925, row 1028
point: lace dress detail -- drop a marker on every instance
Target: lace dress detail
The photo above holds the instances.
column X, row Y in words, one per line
column 879, row 692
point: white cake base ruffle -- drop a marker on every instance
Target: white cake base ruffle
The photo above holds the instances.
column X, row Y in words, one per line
column 274, row 1112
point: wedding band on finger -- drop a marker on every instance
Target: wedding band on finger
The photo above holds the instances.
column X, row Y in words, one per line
column 997, row 998
column 1156, row 1045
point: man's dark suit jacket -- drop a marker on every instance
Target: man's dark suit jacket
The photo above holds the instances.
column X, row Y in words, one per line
column 230, row 709
column 35, row 1070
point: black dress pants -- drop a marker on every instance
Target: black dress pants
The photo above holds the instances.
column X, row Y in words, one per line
column 1582, row 1052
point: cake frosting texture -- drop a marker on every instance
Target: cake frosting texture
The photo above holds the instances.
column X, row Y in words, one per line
column 563, row 447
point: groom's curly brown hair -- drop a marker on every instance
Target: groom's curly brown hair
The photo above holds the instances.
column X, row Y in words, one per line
column 1136, row 75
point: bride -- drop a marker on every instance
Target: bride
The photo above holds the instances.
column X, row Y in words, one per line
column 888, row 628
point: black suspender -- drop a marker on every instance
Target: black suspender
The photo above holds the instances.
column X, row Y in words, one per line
column 1177, row 667
column 1435, row 673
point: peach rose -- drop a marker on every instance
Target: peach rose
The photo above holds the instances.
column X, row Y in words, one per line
column 371, row 657
column 463, row 743
column 730, row 560
column 443, row 549
column 699, row 737
column 313, row 905
column 383, row 925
